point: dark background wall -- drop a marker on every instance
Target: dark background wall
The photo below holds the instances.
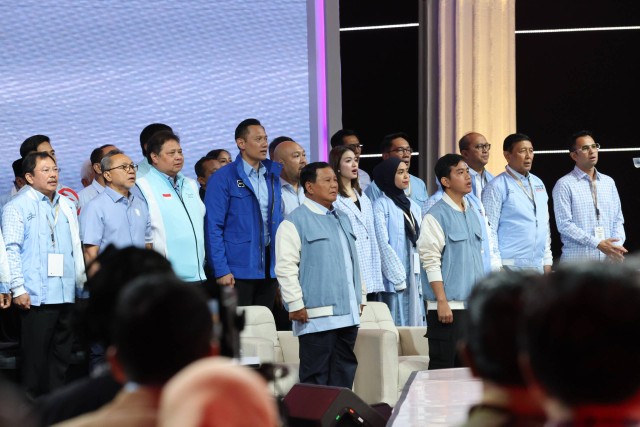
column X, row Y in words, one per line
column 564, row 82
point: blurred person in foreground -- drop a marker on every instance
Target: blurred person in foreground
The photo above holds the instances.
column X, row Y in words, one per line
column 580, row 347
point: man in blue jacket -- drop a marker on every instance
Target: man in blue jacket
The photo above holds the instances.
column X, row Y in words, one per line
column 243, row 205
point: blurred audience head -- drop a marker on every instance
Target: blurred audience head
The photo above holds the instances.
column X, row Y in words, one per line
column 579, row 343
column 160, row 325
column 215, row 392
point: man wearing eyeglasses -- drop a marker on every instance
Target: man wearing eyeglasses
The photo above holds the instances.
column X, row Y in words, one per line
column 97, row 184
column 40, row 230
column 587, row 207
column 516, row 205
column 474, row 148
column 115, row 216
column 397, row 145
column 350, row 139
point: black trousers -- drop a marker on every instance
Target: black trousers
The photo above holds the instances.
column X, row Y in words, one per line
column 258, row 291
column 327, row 358
column 46, row 342
column 443, row 339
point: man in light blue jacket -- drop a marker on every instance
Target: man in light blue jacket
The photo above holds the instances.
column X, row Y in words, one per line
column 319, row 275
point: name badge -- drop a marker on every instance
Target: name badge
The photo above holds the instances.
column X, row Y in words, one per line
column 599, row 233
column 55, row 264
column 240, row 183
column 416, row 263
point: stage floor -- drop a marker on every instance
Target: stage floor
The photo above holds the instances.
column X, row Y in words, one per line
column 436, row 398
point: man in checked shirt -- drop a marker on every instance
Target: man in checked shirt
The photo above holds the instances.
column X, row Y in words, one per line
column 587, row 207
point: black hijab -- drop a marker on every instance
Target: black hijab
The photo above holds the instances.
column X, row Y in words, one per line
column 384, row 176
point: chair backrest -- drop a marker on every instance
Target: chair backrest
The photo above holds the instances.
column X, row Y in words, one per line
column 376, row 315
column 259, row 322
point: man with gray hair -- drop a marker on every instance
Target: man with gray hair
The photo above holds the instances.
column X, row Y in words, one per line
column 96, row 185
column 115, row 216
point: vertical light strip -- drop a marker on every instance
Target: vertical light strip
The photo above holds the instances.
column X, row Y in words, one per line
column 321, row 81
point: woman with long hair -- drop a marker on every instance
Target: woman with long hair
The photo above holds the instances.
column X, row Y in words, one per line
column 352, row 201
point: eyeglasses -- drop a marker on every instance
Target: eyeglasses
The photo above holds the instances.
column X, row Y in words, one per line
column 47, row 170
column 586, row 148
column 402, row 150
column 354, row 147
column 126, row 168
column 483, row 147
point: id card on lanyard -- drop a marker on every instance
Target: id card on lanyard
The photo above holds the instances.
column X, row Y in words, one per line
column 55, row 261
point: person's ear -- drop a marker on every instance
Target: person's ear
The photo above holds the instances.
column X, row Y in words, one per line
column 29, row 178
column 107, row 176
column 241, row 143
column 96, row 168
column 444, row 181
column 507, row 155
column 467, row 357
column 117, row 370
column 154, row 158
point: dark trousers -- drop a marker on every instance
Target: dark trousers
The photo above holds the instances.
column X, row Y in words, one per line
column 257, row 292
column 443, row 339
column 46, row 342
column 327, row 358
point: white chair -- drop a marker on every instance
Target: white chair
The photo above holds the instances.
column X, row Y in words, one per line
column 260, row 338
column 387, row 355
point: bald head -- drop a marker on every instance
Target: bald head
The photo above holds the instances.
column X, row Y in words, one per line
column 293, row 159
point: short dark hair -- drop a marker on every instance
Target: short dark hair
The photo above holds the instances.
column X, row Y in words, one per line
column 199, row 166
column 30, row 161
column 105, row 162
column 117, row 268
column 148, row 132
column 494, row 310
column 161, row 325
column 216, row 153
column 335, row 156
column 17, row 168
column 309, row 173
column 445, row 163
column 337, row 138
column 30, row 144
column 243, row 128
column 578, row 332
column 97, row 154
column 574, row 138
column 277, row 141
column 512, row 140
column 157, row 140
column 385, row 145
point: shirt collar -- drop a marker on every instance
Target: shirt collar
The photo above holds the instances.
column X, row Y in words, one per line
column 518, row 174
column 248, row 169
column 318, row 208
column 285, row 183
column 448, row 200
column 580, row 174
column 43, row 197
column 115, row 196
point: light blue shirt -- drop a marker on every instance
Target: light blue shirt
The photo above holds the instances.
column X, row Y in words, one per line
column 327, row 323
column 259, row 183
column 291, row 198
column 479, row 181
column 111, row 218
column 32, row 229
column 89, row 193
column 363, row 179
column 575, row 207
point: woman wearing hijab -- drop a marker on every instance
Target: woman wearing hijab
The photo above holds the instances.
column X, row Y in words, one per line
column 397, row 221
column 352, row 201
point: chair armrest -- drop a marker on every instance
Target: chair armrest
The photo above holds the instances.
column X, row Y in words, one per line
column 412, row 341
column 257, row 347
column 376, row 379
column 290, row 347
